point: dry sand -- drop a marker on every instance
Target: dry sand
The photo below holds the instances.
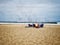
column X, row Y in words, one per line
column 20, row 35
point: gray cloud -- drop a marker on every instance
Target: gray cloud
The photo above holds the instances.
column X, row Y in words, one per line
column 25, row 10
column 4, row 1
column 32, row 1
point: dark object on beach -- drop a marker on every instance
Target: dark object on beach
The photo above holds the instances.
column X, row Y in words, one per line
column 30, row 25
column 41, row 25
column 36, row 25
column 33, row 25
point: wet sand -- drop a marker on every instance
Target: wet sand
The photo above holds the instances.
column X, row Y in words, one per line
column 20, row 35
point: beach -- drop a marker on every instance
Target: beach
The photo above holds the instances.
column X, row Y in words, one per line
column 19, row 34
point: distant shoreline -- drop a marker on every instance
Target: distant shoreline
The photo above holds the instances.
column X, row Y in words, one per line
column 15, row 22
column 31, row 23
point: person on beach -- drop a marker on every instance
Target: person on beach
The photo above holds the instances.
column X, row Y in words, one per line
column 36, row 25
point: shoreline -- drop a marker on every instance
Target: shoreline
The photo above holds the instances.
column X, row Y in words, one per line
column 26, row 23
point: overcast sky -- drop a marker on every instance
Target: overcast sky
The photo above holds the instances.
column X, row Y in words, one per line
column 30, row 10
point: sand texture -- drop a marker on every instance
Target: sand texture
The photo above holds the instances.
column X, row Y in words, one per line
column 21, row 35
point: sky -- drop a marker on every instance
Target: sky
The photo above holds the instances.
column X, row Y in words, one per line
column 30, row 10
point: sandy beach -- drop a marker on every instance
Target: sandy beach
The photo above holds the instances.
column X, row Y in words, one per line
column 19, row 34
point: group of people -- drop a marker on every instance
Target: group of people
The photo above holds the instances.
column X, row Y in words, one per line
column 36, row 25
